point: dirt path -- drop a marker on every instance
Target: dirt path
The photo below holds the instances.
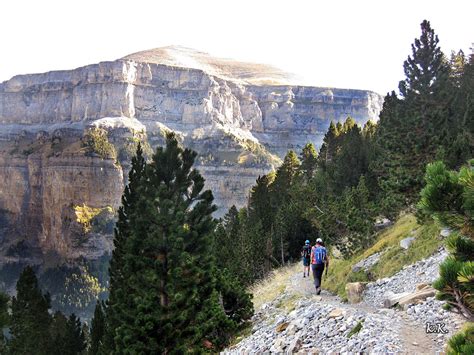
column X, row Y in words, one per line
column 412, row 334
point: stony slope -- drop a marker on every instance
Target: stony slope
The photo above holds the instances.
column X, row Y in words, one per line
column 240, row 125
column 298, row 320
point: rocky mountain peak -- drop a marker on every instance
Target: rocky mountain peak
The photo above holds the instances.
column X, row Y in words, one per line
column 225, row 68
column 232, row 113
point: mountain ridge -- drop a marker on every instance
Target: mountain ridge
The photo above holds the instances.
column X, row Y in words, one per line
column 239, row 130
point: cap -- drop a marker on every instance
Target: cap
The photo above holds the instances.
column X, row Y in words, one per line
column 319, row 240
column 307, row 242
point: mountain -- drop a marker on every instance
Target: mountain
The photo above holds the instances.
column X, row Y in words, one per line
column 57, row 200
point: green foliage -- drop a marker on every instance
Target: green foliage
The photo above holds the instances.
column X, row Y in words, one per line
column 237, row 302
column 97, row 328
column 95, row 141
column 449, row 198
column 309, row 160
column 462, row 342
column 72, row 289
column 4, row 321
column 128, row 149
column 88, row 217
column 164, row 292
column 426, row 121
column 30, row 319
column 357, row 328
column 66, row 334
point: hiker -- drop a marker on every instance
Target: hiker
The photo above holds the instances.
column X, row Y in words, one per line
column 306, row 254
column 319, row 260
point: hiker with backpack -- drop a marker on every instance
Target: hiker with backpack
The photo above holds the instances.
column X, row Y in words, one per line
column 306, row 254
column 319, row 260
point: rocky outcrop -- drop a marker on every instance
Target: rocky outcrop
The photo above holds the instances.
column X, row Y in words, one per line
column 241, row 119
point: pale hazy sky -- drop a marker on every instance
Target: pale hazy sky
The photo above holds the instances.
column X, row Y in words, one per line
column 350, row 44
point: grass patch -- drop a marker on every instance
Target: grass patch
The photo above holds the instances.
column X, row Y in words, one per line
column 356, row 329
column 394, row 257
column 272, row 286
column 425, row 244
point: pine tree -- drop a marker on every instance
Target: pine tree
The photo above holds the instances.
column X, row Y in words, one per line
column 30, row 319
column 57, row 334
column 167, row 262
column 449, row 198
column 411, row 128
column 259, row 205
column 425, row 67
column 75, row 340
column 4, row 320
column 97, row 328
column 350, row 162
column 119, row 291
column 329, row 147
column 284, row 178
column 309, row 160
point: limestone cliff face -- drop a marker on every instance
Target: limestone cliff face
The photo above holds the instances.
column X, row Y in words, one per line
column 241, row 119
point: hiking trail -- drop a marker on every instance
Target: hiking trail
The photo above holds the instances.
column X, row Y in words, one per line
column 297, row 320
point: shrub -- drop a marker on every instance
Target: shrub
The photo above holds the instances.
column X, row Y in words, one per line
column 462, row 342
column 449, row 198
column 95, row 141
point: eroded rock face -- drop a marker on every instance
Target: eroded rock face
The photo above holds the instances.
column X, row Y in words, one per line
column 240, row 125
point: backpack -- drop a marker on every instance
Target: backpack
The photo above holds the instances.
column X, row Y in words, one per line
column 319, row 255
column 306, row 252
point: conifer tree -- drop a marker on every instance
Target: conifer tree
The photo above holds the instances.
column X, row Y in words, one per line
column 4, row 320
column 75, row 341
column 284, row 178
column 425, row 68
column 30, row 319
column 167, row 262
column 260, row 201
column 119, row 291
column 97, row 328
column 329, row 147
column 57, row 333
column 410, row 128
column 309, row 159
column 449, row 198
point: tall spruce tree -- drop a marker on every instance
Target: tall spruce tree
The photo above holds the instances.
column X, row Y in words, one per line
column 30, row 319
column 167, row 263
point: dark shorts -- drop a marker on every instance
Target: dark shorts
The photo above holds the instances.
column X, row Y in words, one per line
column 306, row 261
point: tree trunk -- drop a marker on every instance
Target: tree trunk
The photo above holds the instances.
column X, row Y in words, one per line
column 282, row 253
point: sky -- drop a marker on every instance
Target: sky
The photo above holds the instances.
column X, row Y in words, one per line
column 347, row 44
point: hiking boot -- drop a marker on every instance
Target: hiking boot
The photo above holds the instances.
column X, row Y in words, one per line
column 304, row 275
column 318, row 290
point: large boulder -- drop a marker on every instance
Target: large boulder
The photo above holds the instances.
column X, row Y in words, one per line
column 354, row 291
